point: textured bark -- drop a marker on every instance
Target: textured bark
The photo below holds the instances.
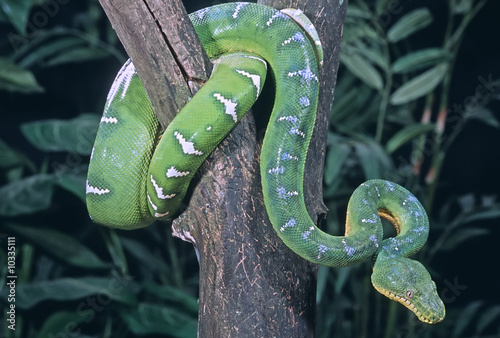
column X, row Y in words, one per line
column 251, row 284
column 168, row 56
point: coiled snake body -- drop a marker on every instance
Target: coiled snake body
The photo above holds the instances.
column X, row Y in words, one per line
column 134, row 180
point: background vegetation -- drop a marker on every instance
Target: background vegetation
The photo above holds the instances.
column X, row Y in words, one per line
column 416, row 103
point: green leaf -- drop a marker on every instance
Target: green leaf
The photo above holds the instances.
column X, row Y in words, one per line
column 100, row 290
column 8, row 156
column 482, row 215
column 362, row 69
column 62, row 246
column 406, row 134
column 466, row 316
column 462, row 7
column 420, row 59
column 487, row 318
column 17, row 11
column 144, row 255
column 462, row 235
column 419, row 85
column 182, row 299
column 484, row 115
column 337, row 155
column 151, row 318
column 409, row 24
column 373, row 159
column 73, row 181
column 60, row 322
column 78, row 55
column 26, row 196
column 49, row 48
column 16, row 79
column 76, row 135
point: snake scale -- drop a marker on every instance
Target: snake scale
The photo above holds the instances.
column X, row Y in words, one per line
column 139, row 174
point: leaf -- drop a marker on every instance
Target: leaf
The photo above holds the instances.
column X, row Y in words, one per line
column 73, row 181
column 101, row 290
column 406, row 134
column 26, row 196
column 78, row 55
column 337, row 154
column 420, row 59
column 382, row 5
column 409, row 24
column 62, row 321
column 373, row 159
column 8, row 156
column 62, row 246
column 16, row 79
column 17, row 11
column 466, row 316
column 76, row 135
column 484, row 115
column 462, row 7
column 151, row 318
column 461, row 235
column 171, row 294
column 487, row 318
column 419, row 85
column 481, row 215
column 49, row 48
column 144, row 255
column 362, row 69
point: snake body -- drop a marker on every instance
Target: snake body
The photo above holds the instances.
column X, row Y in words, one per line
column 135, row 179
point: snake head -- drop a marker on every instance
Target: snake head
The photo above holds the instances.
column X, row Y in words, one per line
column 409, row 283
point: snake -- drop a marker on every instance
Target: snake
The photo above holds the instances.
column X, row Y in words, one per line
column 139, row 173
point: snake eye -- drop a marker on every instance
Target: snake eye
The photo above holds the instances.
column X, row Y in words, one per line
column 409, row 294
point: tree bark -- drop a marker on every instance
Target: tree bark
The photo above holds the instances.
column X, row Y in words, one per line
column 251, row 284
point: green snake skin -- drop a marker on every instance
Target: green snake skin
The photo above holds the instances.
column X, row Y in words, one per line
column 136, row 176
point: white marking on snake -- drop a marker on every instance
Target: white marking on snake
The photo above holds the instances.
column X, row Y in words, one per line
column 257, row 58
column 237, row 10
column 159, row 190
column 321, row 250
column 255, row 79
column 305, row 73
column 282, row 193
column 187, row 147
column 296, row 131
column 290, row 224
column 348, row 249
column 173, row 172
column 230, row 106
column 304, row 101
column 373, row 238
column 307, row 233
column 159, row 215
column 293, row 119
column 122, row 82
column 287, row 157
column 93, row 190
column 151, row 202
column 106, row 119
column 277, row 170
column 297, row 37
column 276, row 15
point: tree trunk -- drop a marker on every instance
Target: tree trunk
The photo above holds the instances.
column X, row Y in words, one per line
column 251, row 284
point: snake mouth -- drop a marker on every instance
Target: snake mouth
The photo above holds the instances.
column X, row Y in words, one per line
column 407, row 303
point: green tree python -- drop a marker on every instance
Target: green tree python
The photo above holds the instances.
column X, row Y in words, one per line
column 135, row 177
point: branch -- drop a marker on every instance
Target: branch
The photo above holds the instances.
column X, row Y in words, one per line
column 166, row 52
